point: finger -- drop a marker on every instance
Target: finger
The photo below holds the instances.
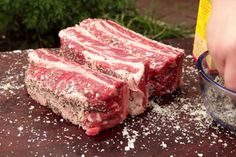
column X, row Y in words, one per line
column 230, row 73
column 219, row 63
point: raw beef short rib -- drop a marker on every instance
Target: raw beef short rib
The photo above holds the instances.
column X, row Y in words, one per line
column 81, row 46
column 165, row 61
column 79, row 94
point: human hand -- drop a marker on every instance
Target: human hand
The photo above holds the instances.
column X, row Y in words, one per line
column 221, row 39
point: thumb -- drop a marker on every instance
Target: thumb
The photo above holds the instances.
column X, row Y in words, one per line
column 230, row 73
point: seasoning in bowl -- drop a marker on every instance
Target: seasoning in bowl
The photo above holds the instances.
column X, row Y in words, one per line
column 219, row 101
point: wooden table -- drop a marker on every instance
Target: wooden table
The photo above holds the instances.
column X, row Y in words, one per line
column 174, row 125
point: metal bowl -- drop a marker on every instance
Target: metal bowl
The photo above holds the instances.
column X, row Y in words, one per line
column 220, row 102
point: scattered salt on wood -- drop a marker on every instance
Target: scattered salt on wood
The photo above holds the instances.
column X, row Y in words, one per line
column 178, row 119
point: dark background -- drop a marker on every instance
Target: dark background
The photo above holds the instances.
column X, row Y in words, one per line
column 35, row 23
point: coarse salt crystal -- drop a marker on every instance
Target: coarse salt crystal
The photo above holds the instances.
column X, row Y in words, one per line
column 200, row 154
column 5, row 86
column 189, row 56
column 31, row 108
column 225, row 145
column 163, row 144
column 127, row 148
column 20, row 128
column 16, row 51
